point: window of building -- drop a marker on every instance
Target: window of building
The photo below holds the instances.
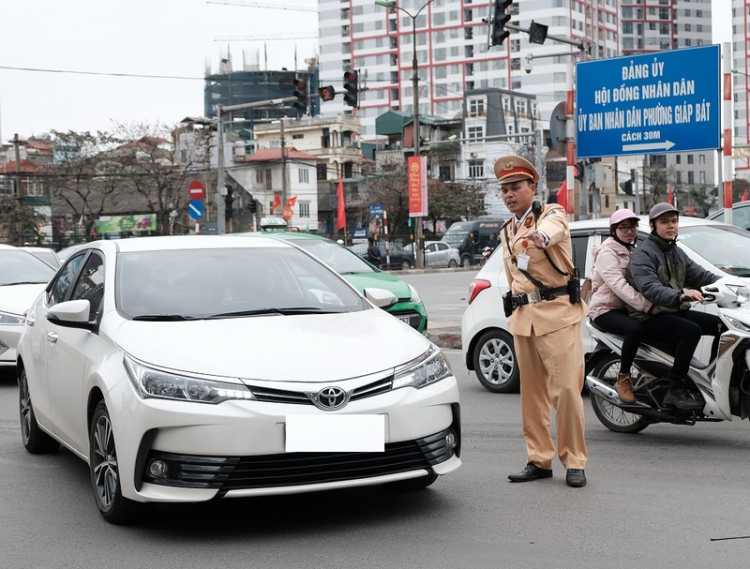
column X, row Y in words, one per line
column 298, row 136
column 32, row 188
column 322, row 170
column 691, row 177
column 304, row 175
column 476, row 107
column 678, row 159
column 701, row 158
column 678, row 177
column 702, row 177
column 690, row 159
column 304, row 209
column 476, row 169
column 445, row 172
column 475, row 132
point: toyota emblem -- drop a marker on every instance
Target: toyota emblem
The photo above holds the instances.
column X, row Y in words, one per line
column 331, row 398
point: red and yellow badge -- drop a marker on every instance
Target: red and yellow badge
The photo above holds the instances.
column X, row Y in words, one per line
column 528, row 222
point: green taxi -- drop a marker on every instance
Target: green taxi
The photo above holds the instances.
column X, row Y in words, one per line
column 359, row 273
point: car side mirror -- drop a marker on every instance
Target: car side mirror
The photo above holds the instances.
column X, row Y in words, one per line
column 71, row 314
column 380, row 297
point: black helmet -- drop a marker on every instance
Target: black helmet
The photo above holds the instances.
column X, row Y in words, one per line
column 660, row 209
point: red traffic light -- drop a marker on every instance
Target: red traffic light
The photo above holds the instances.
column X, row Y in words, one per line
column 300, row 84
column 327, row 93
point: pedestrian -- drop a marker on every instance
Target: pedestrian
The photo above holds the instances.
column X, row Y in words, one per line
column 667, row 277
column 373, row 252
column 544, row 312
column 612, row 294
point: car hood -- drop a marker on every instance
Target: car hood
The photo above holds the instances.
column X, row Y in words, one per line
column 17, row 299
column 380, row 280
column 326, row 347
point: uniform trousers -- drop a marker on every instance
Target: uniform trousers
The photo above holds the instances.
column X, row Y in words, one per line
column 552, row 369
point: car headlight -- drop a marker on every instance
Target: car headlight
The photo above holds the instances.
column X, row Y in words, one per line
column 414, row 295
column 742, row 292
column 11, row 319
column 424, row 370
column 150, row 382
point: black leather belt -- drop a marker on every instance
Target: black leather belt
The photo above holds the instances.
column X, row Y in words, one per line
column 538, row 296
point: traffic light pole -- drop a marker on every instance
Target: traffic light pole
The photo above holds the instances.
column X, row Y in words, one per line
column 418, row 235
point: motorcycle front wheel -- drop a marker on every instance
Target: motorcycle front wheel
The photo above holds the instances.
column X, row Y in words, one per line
column 611, row 416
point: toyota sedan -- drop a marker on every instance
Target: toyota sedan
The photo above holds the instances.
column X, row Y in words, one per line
column 184, row 369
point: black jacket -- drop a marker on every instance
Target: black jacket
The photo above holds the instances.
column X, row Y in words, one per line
column 660, row 270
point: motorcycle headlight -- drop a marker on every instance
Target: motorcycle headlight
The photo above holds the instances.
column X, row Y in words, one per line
column 742, row 292
column 11, row 319
column 428, row 368
column 150, row 382
column 414, row 294
column 737, row 324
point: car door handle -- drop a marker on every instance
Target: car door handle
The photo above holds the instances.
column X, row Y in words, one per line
column 30, row 320
column 52, row 337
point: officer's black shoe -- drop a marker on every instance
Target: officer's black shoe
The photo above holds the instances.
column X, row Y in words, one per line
column 575, row 478
column 531, row 472
column 682, row 399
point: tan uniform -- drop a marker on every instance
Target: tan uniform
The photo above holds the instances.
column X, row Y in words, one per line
column 549, row 342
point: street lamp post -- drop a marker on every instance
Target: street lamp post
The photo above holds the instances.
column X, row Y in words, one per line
column 418, row 237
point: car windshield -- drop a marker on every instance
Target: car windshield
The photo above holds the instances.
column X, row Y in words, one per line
column 46, row 255
column 740, row 216
column 455, row 237
column 724, row 246
column 20, row 267
column 189, row 284
column 340, row 259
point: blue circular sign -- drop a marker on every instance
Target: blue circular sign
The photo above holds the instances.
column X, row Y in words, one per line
column 195, row 209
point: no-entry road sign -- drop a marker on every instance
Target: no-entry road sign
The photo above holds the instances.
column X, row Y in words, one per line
column 665, row 101
column 196, row 190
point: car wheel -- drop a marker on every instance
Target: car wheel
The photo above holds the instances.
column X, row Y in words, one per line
column 495, row 362
column 452, row 264
column 105, row 475
column 611, row 416
column 414, row 483
column 34, row 439
column 405, row 265
column 465, row 260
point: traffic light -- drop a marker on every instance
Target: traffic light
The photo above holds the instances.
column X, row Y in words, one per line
column 351, row 97
column 252, row 205
column 229, row 203
column 327, row 93
column 300, row 91
column 627, row 187
column 579, row 167
column 498, row 33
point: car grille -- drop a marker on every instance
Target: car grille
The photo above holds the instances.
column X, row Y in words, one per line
column 269, row 395
column 295, row 469
column 412, row 318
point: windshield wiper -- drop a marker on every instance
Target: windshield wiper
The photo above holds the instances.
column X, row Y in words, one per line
column 163, row 317
column 23, row 283
column 293, row 311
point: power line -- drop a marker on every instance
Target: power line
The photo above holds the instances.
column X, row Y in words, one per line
column 75, row 72
column 268, row 6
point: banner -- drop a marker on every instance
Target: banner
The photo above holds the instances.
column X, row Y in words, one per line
column 124, row 223
column 417, row 186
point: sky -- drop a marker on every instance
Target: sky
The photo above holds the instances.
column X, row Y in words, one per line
column 174, row 38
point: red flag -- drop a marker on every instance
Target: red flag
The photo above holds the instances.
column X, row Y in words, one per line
column 276, row 202
column 291, row 201
column 670, row 196
column 562, row 196
column 744, row 195
column 340, row 211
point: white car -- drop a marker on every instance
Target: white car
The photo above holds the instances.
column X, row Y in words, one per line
column 22, row 277
column 488, row 345
column 184, row 369
column 437, row 254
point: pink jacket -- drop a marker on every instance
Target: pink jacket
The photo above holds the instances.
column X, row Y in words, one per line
column 610, row 290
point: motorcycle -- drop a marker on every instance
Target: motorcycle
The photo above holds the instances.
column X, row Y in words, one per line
column 723, row 383
column 486, row 254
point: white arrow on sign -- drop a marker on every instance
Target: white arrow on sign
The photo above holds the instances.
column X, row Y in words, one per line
column 666, row 145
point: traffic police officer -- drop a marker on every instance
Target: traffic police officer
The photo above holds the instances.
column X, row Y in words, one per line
column 545, row 314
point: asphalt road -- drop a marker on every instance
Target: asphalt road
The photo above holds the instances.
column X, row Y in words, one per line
column 655, row 499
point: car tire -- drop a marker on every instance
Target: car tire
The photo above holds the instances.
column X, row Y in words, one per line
column 105, row 474
column 495, row 362
column 611, row 416
column 35, row 440
column 405, row 265
column 452, row 264
column 465, row 260
column 414, row 483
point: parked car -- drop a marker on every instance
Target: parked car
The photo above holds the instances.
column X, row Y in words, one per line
column 488, row 345
column 362, row 275
column 45, row 254
column 191, row 368
column 22, row 277
column 471, row 237
column 740, row 215
column 399, row 258
column 437, row 254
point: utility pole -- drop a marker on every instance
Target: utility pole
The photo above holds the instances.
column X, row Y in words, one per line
column 221, row 189
column 284, row 189
column 17, row 182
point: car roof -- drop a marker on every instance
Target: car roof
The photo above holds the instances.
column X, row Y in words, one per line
column 603, row 222
column 286, row 235
column 173, row 242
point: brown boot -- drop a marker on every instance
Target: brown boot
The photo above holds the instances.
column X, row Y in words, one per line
column 625, row 388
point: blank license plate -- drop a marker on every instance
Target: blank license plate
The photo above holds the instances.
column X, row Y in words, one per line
column 335, row 433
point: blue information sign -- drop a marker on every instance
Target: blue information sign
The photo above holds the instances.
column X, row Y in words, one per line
column 376, row 210
column 195, row 209
column 665, row 101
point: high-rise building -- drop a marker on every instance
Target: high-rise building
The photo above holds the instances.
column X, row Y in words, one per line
column 741, row 87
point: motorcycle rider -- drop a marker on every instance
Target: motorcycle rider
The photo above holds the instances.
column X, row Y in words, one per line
column 611, row 293
column 668, row 278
